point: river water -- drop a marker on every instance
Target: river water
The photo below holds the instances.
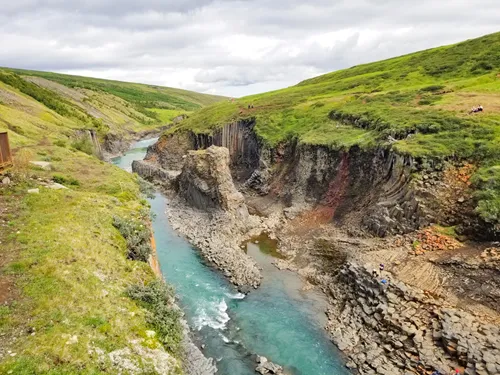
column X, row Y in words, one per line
column 278, row 320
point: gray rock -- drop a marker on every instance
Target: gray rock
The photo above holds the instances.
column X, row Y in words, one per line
column 351, row 365
column 34, row 191
column 491, row 368
column 45, row 165
column 261, row 359
column 56, row 186
column 268, row 367
column 6, row 180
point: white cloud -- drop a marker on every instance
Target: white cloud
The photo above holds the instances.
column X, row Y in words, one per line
column 229, row 47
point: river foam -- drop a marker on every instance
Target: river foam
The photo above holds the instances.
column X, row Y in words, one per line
column 213, row 314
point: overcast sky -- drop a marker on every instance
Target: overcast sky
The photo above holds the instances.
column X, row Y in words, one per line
column 228, row 47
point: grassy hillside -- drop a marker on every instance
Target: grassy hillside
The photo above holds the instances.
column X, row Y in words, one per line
column 417, row 104
column 76, row 295
column 36, row 105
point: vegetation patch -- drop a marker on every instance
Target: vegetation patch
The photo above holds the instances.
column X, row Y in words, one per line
column 72, row 271
column 65, row 180
column 487, row 181
column 138, row 237
column 163, row 315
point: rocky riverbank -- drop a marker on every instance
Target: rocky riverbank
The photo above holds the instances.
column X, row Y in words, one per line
column 194, row 361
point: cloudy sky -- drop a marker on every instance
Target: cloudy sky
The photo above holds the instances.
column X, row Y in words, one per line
column 228, row 47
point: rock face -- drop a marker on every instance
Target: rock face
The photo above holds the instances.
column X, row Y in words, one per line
column 152, row 172
column 390, row 329
column 193, row 361
column 206, row 182
column 378, row 190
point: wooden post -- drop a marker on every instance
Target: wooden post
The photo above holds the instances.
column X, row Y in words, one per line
column 5, row 153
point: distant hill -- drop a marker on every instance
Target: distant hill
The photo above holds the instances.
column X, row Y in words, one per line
column 416, row 104
column 36, row 105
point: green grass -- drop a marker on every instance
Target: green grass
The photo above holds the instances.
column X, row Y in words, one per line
column 41, row 105
column 73, row 270
column 72, row 267
column 421, row 100
column 168, row 115
column 146, row 96
column 487, row 179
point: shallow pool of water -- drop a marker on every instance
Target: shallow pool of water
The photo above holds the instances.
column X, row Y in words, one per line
column 278, row 320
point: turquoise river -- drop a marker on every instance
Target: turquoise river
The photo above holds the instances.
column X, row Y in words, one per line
column 278, row 320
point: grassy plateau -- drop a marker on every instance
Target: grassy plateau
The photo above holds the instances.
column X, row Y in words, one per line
column 416, row 104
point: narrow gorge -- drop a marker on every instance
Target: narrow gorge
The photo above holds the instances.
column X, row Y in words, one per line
column 279, row 320
column 348, row 224
column 337, row 215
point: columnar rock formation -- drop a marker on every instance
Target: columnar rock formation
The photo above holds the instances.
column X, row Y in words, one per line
column 206, row 182
column 378, row 190
column 384, row 329
column 220, row 218
column 393, row 328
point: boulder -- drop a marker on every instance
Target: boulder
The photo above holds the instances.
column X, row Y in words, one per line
column 56, row 186
column 45, row 165
column 267, row 367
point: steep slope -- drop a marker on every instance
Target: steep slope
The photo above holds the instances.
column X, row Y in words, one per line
column 36, row 105
column 76, row 292
column 416, row 106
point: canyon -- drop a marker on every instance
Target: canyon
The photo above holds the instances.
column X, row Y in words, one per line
column 338, row 215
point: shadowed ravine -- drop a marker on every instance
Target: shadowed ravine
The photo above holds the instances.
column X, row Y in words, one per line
column 278, row 320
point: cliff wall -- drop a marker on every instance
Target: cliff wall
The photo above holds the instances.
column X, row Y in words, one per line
column 377, row 190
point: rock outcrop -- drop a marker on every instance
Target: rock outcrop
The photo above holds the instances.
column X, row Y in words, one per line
column 206, row 182
column 267, row 367
column 214, row 217
column 395, row 329
column 152, row 172
column 193, row 361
